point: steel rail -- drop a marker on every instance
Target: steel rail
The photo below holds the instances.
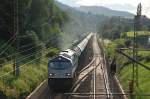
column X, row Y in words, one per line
column 78, row 83
column 82, row 94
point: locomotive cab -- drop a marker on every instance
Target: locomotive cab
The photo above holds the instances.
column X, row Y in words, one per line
column 59, row 67
column 60, row 72
column 62, row 69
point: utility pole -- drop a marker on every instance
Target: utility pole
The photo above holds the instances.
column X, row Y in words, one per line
column 120, row 28
column 139, row 14
column 16, row 31
column 17, row 39
column 137, row 27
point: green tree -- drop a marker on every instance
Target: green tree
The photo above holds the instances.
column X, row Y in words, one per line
column 31, row 43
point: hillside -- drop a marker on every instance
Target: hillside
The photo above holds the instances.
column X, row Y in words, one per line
column 82, row 22
column 36, row 24
column 100, row 10
column 29, row 46
column 79, row 23
column 97, row 20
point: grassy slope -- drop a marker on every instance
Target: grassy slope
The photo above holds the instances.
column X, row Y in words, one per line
column 31, row 75
column 144, row 79
column 126, row 73
column 140, row 33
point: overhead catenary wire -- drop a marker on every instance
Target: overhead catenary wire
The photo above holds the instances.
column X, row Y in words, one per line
column 21, row 51
column 146, row 67
column 26, row 49
column 11, row 40
column 33, row 59
column 26, row 57
column 20, row 58
column 20, row 66
column 23, row 36
column 28, row 45
column 7, row 47
column 5, row 44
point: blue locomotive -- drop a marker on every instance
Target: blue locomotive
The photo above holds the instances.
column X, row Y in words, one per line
column 62, row 69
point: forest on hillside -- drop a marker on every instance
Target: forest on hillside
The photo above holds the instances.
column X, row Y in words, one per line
column 47, row 23
column 115, row 27
column 30, row 33
column 30, row 23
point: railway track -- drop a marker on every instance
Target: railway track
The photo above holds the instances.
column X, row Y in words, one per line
column 99, row 81
column 101, row 88
column 82, row 76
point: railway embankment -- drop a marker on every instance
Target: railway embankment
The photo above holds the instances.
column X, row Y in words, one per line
column 43, row 92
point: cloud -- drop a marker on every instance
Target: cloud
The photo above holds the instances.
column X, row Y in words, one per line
column 124, row 5
column 69, row 2
column 104, row 2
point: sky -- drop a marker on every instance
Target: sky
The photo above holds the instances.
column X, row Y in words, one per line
column 122, row 5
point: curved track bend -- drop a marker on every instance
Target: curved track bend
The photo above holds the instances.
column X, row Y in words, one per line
column 99, row 84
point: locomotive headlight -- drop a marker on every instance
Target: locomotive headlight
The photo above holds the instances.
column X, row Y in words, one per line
column 68, row 74
column 51, row 74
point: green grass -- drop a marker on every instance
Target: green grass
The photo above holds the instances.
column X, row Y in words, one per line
column 31, row 75
column 125, row 74
column 143, row 75
column 144, row 55
column 8, row 66
column 143, row 79
column 139, row 33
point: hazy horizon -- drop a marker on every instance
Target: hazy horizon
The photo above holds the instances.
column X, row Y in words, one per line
column 128, row 6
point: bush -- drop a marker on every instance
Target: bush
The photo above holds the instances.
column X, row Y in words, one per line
column 52, row 52
column 33, row 41
column 20, row 85
column 120, row 43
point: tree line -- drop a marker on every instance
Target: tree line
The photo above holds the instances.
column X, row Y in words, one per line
column 31, row 22
column 115, row 27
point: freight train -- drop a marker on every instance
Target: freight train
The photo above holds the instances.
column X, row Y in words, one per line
column 62, row 69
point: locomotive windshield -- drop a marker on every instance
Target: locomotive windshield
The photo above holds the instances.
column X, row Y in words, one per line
column 60, row 65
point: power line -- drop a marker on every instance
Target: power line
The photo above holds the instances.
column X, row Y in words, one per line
column 20, row 66
column 146, row 67
column 21, row 59
column 7, row 47
column 24, row 56
column 7, row 42
column 23, row 36
column 26, row 49
column 21, row 51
